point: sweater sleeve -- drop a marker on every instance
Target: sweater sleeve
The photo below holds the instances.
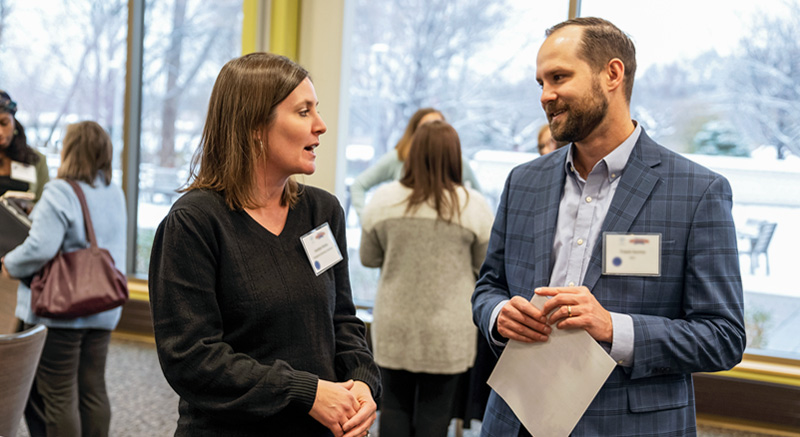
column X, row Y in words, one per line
column 382, row 171
column 42, row 176
column 469, row 176
column 370, row 250
column 49, row 224
column 197, row 362
column 353, row 358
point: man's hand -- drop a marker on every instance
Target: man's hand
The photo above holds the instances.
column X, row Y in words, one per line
column 359, row 424
column 520, row 320
column 334, row 405
column 4, row 273
column 577, row 308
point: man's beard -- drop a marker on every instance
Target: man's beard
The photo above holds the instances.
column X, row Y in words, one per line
column 582, row 118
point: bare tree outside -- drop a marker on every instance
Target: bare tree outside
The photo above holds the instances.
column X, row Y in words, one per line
column 765, row 82
column 186, row 42
column 80, row 76
column 408, row 54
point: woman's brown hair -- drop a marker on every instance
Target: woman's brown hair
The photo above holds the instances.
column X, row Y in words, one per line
column 243, row 100
column 433, row 169
column 404, row 143
column 87, row 151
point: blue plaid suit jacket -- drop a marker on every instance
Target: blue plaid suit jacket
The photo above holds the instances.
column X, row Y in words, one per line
column 690, row 319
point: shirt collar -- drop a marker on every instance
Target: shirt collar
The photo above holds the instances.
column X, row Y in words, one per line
column 614, row 161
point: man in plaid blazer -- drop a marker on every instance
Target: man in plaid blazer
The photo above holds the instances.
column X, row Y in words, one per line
column 684, row 314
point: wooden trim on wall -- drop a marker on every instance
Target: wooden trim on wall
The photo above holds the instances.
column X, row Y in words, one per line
column 136, row 318
column 742, row 399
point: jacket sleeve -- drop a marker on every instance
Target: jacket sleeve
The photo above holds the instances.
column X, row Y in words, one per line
column 710, row 336
column 492, row 286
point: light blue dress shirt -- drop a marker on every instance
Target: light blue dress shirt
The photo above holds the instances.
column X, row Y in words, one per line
column 583, row 208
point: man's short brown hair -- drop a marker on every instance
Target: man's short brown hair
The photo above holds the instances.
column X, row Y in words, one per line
column 601, row 42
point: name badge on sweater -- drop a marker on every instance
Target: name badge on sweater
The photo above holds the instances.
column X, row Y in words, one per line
column 321, row 248
column 631, row 254
column 23, row 172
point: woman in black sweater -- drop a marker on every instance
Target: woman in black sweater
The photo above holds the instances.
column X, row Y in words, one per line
column 255, row 328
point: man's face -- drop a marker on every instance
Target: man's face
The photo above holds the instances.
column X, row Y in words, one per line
column 572, row 96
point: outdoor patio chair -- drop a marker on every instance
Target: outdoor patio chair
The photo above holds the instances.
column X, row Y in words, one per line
column 759, row 243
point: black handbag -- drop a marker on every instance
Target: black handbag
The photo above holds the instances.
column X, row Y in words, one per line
column 79, row 283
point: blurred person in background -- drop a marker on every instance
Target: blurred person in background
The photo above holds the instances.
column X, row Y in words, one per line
column 390, row 166
column 22, row 168
column 69, row 395
column 255, row 330
column 428, row 234
column 546, row 142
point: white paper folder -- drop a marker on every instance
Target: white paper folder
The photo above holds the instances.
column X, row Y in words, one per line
column 550, row 385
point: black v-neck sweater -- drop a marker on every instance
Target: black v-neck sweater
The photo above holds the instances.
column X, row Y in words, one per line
column 243, row 327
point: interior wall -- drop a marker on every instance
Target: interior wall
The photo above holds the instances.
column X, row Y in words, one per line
column 320, row 52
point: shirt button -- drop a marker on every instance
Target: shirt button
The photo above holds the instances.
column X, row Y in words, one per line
column 588, row 199
column 613, row 175
column 580, row 241
column 571, row 284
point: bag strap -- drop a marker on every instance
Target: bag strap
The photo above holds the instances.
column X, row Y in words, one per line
column 87, row 218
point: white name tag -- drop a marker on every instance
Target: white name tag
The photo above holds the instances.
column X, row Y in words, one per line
column 321, row 248
column 631, row 254
column 23, row 172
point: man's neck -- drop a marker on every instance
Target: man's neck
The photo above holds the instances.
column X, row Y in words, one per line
column 602, row 141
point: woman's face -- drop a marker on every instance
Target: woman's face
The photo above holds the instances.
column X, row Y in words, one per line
column 6, row 129
column 294, row 136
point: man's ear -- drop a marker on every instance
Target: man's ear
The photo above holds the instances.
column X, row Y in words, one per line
column 615, row 74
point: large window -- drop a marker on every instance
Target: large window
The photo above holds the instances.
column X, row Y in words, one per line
column 63, row 62
column 721, row 88
column 186, row 42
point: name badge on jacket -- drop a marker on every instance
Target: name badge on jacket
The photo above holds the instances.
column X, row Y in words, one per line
column 631, row 254
column 321, row 248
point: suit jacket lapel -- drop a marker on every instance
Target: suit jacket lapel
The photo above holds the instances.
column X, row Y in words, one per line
column 638, row 181
column 546, row 217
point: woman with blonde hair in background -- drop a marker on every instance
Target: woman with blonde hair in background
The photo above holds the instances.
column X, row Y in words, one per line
column 390, row 166
column 428, row 234
column 69, row 395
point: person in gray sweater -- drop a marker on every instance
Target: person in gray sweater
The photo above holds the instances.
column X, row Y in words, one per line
column 428, row 234
column 253, row 315
column 69, row 391
column 389, row 167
